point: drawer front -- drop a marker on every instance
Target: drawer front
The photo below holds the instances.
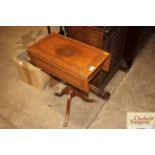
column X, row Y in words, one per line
column 62, row 74
column 87, row 35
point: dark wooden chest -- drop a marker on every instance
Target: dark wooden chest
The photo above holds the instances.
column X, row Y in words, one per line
column 109, row 38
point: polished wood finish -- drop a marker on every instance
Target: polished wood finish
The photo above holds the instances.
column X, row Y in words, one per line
column 91, row 35
column 109, row 38
column 72, row 92
column 86, row 35
column 73, row 62
column 70, row 60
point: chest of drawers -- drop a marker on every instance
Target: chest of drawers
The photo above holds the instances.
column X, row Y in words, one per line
column 109, row 38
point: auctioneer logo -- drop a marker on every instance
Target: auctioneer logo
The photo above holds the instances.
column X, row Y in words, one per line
column 138, row 120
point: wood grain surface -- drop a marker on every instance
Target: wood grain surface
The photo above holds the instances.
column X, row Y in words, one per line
column 70, row 60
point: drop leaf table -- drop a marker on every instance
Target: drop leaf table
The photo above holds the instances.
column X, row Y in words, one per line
column 71, row 61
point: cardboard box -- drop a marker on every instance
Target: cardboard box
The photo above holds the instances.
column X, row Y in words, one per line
column 30, row 73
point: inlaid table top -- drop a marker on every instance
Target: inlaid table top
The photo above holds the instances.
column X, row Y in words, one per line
column 70, row 60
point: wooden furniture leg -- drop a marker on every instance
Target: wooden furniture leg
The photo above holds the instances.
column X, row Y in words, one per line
column 63, row 92
column 71, row 92
column 82, row 96
column 69, row 97
column 100, row 92
column 105, row 95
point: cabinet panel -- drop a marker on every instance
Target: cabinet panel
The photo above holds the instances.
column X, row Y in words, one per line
column 87, row 35
column 111, row 39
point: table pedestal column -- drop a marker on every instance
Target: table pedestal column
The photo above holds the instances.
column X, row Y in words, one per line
column 71, row 92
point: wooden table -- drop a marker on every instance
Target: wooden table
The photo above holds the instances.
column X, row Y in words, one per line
column 72, row 61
